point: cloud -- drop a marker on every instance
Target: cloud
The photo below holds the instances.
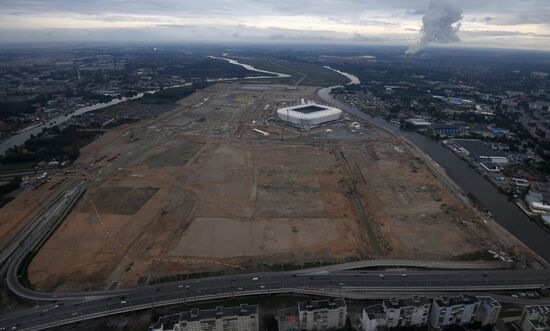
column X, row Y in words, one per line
column 353, row 21
column 440, row 24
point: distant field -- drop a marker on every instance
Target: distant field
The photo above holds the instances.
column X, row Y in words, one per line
column 312, row 74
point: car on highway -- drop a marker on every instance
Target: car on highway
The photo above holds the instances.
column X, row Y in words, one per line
column 255, row 279
column 122, row 302
column 381, row 275
column 262, row 286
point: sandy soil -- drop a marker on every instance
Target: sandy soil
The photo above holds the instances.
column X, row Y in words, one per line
column 197, row 190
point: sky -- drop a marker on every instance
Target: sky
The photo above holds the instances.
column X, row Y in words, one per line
column 484, row 23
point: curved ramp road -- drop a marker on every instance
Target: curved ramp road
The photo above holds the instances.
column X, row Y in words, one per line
column 350, row 284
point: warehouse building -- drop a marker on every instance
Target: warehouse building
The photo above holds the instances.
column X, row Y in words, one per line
column 479, row 151
column 309, row 115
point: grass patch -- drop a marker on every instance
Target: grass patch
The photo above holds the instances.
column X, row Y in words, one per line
column 15, row 167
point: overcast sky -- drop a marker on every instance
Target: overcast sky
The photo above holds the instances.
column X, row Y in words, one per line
column 498, row 23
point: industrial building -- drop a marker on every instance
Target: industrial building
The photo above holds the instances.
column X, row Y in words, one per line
column 538, row 202
column 459, row 310
column 241, row 318
column 535, row 318
column 308, row 115
column 447, row 129
column 479, row 150
column 392, row 313
column 322, row 315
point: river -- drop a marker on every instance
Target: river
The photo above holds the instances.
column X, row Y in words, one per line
column 505, row 212
column 21, row 137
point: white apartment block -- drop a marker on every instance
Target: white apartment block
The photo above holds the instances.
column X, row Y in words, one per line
column 459, row 310
column 535, row 318
column 242, row 318
column 372, row 318
column 407, row 312
column 322, row 315
column 488, row 311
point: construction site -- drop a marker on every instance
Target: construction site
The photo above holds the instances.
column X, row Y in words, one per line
column 220, row 184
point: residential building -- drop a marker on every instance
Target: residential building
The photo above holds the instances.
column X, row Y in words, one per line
column 459, row 310
column 373, row 317
column 488, row 311
column 407, row 312
column 535, row 318
column 241, row 318
column 323, row 314
column 287, row 319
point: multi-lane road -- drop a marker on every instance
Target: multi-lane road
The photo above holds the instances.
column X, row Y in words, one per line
column 346, row 284
column 64, row 308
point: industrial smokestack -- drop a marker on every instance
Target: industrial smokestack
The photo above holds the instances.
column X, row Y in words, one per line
column 440, row 24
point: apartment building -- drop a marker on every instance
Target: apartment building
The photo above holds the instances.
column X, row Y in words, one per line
column 288, row 319
column 406, row 312
column 458, row 310
column 373, row 318
column 241, row 318
column 322, row 315
column 488, row 312
column 535, row 318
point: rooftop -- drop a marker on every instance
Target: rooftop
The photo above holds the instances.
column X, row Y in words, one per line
column 322, row 304
column 478, row 148
column 415, row 301
column 169, row 321
column 464, row 299
column 307, row 109
column 374, row 312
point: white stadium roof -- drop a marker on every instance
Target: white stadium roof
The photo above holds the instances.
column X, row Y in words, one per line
column 310, row 114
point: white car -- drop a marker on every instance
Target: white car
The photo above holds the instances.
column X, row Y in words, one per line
column 123, row 302
column 255, row 278
column 262, row 286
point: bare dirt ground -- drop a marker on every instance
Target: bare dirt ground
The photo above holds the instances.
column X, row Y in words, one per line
column 196, row 190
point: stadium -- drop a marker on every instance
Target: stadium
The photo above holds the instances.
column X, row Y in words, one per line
column 308, row 115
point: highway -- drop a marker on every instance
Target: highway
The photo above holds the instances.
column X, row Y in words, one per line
column 64, row 308
column 346, row 284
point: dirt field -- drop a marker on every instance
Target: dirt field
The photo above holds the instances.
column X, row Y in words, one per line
column 197, row 190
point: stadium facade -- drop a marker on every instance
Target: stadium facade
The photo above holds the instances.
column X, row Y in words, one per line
column 309, row 115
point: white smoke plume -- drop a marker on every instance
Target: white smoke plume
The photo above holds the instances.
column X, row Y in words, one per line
column 440, row 24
